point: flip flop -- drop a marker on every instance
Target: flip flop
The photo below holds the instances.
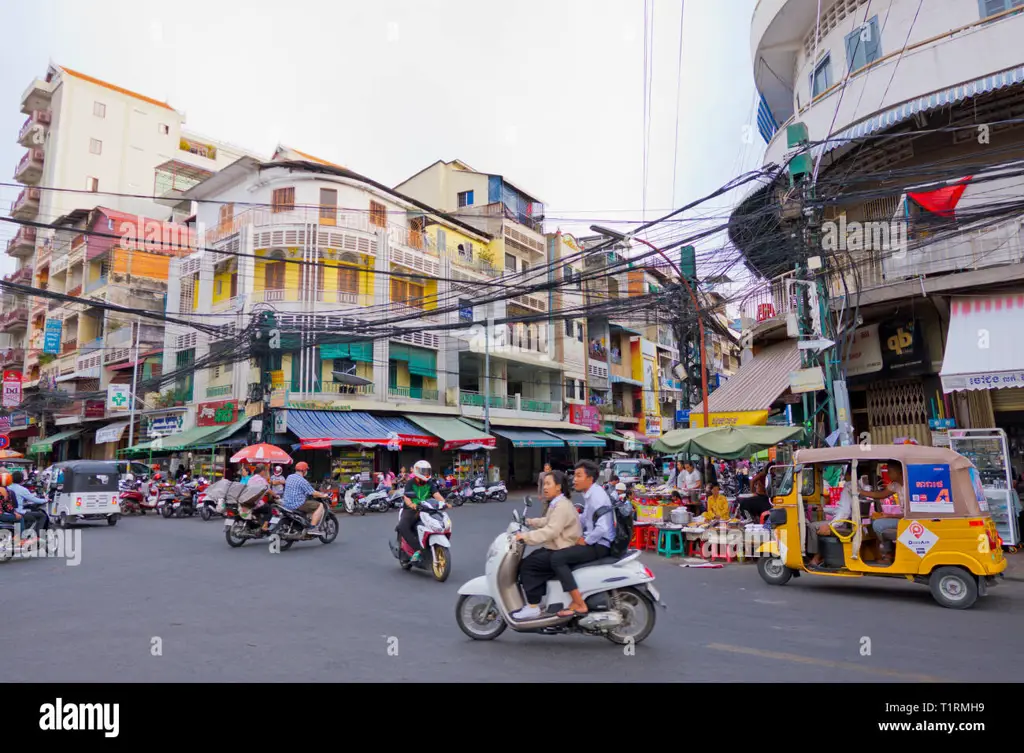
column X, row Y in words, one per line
column 573, row 613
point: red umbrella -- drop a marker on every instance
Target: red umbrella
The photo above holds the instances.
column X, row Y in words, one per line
column 261, row 453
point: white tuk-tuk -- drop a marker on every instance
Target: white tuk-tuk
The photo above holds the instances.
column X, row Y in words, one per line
column 83, row 490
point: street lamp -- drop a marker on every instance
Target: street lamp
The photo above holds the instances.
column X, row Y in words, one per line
column 626, row 237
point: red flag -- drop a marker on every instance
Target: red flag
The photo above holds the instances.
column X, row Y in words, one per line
column 942, row 201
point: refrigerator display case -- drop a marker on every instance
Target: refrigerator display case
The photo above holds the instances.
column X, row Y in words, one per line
column 989, row 451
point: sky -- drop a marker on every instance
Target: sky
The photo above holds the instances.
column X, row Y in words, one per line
column 549, row 93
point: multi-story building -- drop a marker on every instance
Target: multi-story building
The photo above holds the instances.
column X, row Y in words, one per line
column 901, row 109
column 83, row 135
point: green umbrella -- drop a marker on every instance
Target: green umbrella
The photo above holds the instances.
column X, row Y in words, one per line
column 727, row 442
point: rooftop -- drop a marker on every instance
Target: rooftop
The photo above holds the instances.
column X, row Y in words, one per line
column 113, row 87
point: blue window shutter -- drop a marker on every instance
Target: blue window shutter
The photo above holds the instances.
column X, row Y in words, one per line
column 469, row 198
column 766, row 124
column 493, row 189
column 874, row 46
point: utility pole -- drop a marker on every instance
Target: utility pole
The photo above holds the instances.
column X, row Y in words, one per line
column 487, row 383
column 135, row 384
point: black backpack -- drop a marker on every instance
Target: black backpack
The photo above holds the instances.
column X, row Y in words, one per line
column 623, row 512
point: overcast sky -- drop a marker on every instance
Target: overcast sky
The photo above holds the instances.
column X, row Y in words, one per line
column 547, row 92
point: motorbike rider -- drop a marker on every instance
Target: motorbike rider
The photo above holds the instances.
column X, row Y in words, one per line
column 35, row 519
column 421, row 487
column 277, row 481
column 297, row 491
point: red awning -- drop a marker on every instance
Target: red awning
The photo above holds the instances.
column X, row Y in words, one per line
column 942, row 201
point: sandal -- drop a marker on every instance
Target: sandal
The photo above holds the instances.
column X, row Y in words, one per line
column 573, row 613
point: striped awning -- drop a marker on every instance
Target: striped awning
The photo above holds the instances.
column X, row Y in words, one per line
column 318, row 430
column 766, row 124
column 907, row 110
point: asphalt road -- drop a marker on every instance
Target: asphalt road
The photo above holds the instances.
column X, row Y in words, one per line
column 331, row 613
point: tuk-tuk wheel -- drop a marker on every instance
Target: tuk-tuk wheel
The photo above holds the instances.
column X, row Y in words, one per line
column 62, row 521
column 953, row 587
column 773, row 570
column 112, row 520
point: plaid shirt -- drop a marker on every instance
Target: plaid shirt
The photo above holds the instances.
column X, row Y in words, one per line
column 296, row 490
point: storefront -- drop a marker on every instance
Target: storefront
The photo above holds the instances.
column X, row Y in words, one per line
column 55, row 448
column 464, row 448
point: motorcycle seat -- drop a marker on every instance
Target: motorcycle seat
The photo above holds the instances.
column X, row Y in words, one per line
column 595, row 563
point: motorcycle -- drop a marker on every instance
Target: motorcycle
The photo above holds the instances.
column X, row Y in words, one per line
column 619, row 593
column 466, row 492
column 378, row 500
column 133, row 498
column 484, row 493
column 354, row 499
column 182, row 501
column 287, row 525
column 498, row 492
column 433, row 531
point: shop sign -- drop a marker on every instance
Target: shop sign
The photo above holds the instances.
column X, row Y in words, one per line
column 280, row 421
column 903, row 347
column 277, row 380
column 652, row 426
column 217, row 414
column 929, row 488
column 164, row 426
column 95, row 409
column 12, row 389
column 278, row 398
column 52, row 336
column 21, row 420
column 941, row 423
column 739, row 418
column 317, row 405
column 682, row 416
column 865, row 355
column 5, row 424
column 585, row 415
column 806, row 380
column 118, row 396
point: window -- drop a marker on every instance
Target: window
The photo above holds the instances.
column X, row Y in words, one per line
column 579, row 331
column 163, row 129
column 570, row 389
column 92, row 184
column 95, row 146
column 568, row 327
column 282, row 200
column 227, row 211
column 378, row 214
column 405, row 292
column 992, row 7
column 510, row 262
column 220, row 287
column 348, row 280
column 821, row 80
column 99, row 109
column 328, row 204
column 864, row 45
column 465, row 199
column 273, row 275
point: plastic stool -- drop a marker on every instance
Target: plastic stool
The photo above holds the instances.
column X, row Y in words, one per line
column 639, row 536
column 670, row 542
column 651, row 538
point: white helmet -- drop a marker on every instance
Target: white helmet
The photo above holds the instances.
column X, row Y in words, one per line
column 421, row 470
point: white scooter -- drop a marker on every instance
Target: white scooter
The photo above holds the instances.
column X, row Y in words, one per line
column 432, row 531
column 483, row 493
column 618, row 592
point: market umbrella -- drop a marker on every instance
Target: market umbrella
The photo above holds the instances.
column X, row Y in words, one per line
column 726, row 442
column 261, row 453
column 10, row 454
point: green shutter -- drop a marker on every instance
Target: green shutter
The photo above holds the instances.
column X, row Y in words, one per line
column 335, row 350
column 296, row 372
column 398, row 352
column 362, row 351
column 423, row 362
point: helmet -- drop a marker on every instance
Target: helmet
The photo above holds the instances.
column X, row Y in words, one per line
column 620, row 487
column 421, row 470
column 277, row 470
column 302, row 466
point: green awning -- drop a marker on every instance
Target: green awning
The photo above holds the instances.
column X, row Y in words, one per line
column 46, row 444
column 578, row 438
column 359, row 351
column 195, row 438
column 452, row 432
column 225, row 433
column 421, row 361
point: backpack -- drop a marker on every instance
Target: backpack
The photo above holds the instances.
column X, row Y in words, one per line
column 623, row 512
column 7, row 502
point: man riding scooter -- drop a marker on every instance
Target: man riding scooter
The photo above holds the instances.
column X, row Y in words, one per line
column 297, row 490
column 420, row 488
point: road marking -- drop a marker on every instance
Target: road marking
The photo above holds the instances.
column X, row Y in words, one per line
column 821, row 662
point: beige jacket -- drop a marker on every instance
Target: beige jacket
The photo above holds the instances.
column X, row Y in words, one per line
column 559, row 529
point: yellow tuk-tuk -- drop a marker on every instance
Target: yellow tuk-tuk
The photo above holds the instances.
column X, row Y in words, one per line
column 942, row 537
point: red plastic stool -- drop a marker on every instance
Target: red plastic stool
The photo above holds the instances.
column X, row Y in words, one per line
column 639, row 539
column 764, row 516
column 651, row 537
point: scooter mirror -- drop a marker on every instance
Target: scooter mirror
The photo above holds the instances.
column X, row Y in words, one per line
column 529, row 502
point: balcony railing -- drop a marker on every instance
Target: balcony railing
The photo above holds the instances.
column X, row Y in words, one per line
column 75, row 291
column 23, row 243
column 91, row 347
column 21, row 276
column 219, row 390
column 336, row 388
column 37, row 118
column 539, row 406
column 506, row 402
column 32, row 162
column 12, row 356
column 770, row 299
column 68, row 346
column 413, row 393
column 17, row 317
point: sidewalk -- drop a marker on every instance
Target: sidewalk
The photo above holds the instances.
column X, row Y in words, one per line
column 1014, row 566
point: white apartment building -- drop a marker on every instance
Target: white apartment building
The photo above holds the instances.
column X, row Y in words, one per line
column 939, row 82
column 84, row 136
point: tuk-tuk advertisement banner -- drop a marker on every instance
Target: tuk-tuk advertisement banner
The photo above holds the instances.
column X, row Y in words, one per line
column 929, row 488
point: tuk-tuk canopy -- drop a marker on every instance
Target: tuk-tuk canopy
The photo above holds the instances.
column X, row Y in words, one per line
column 82, row 476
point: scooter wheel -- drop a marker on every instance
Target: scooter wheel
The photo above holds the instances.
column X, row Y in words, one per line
column 204, row 513
column 479, row 618
column 501, row 496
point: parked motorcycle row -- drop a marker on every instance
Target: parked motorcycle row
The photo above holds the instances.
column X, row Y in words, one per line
column 182, row 499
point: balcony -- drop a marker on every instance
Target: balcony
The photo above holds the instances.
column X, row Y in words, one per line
column 96, row 284
column 33, row 130
column 26, row 206
column 22, row 276
column 75, row 291
column 12, row 357
column 288, row 228
column 413, row 393
column 30, row 169
column 336, row 388
column 514, row 403
column 414, row 239
column 23, row 244
column 770, row 299
column 461, row 260
column 535, row 302
column 68, row 347
column 220, row 390
column 37, row 96
column 14, row 320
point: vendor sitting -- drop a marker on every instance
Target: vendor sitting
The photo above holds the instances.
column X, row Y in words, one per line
column 718, row 505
